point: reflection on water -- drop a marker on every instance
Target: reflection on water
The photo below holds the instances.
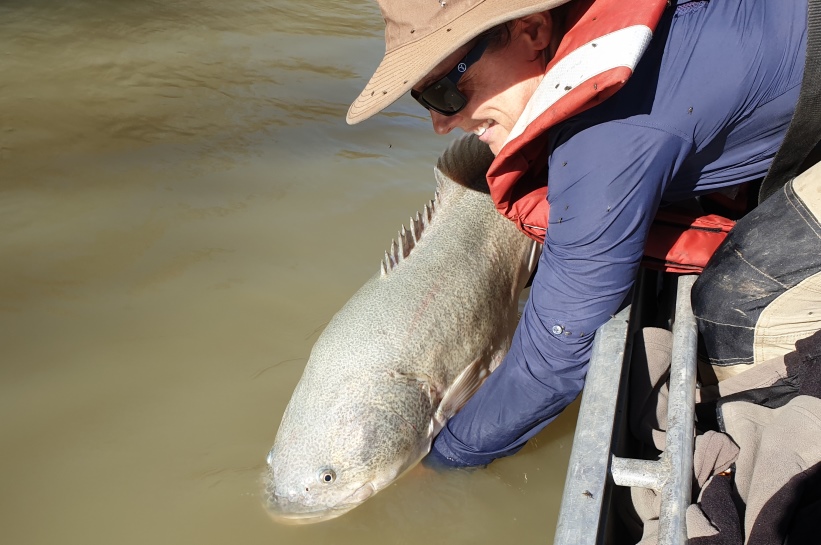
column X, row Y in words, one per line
column 183, row 209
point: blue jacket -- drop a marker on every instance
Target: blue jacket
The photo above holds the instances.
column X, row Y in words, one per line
column 706, row 108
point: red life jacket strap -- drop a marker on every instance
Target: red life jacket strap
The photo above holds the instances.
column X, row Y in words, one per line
column 682, row 241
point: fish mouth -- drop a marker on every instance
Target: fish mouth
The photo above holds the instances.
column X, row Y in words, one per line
column 285, row 511
column 296, row 519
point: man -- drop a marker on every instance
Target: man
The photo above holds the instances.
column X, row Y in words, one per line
column 585, row 157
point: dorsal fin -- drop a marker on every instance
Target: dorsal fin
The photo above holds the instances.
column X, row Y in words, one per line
column 407, row 238
column 464, row 163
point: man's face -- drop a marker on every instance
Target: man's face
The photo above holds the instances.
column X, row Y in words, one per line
column 497, row 87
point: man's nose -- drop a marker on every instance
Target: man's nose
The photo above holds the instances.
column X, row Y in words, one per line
column 443, row 124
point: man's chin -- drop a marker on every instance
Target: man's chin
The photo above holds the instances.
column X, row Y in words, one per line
column 495, row 138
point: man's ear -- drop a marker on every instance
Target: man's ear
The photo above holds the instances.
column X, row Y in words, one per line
column 537, row 29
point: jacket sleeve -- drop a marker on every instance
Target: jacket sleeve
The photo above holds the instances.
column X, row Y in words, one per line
column 606, row 183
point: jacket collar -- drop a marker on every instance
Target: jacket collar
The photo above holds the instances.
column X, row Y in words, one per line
column 603, row 44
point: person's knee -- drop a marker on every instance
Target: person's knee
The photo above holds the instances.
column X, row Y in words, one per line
column 755, row 293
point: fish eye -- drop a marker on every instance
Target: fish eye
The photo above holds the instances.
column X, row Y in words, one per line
column 327, row 476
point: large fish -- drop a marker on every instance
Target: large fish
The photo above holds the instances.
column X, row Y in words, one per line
column 406, row 351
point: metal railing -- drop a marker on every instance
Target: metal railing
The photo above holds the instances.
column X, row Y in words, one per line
column 594, row 467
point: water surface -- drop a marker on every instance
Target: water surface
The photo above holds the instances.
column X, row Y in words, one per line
column 182, row 210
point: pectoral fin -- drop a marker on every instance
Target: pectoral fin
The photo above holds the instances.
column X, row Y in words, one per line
column 460, row 391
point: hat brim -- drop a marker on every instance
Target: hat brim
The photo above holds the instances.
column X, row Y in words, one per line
column 404, row 66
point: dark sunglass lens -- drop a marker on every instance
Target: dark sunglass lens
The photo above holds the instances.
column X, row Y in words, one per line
column 454, row 101
column 443, row 97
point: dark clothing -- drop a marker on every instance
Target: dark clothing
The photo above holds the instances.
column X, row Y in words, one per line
column 706, row 109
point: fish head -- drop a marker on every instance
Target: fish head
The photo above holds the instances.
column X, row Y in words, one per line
column 330, row 457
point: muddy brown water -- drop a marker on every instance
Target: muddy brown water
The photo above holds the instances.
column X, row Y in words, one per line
column 182, row 209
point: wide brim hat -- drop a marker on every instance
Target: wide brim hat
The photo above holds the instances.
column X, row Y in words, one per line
column 419, row 34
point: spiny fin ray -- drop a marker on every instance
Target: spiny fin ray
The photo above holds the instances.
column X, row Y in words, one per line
column 464, row 162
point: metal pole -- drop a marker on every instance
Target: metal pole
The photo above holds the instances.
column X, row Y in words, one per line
column 675, row 496
column 580, row 513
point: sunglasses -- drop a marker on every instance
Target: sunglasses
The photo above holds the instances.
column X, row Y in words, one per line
column 442, row 96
